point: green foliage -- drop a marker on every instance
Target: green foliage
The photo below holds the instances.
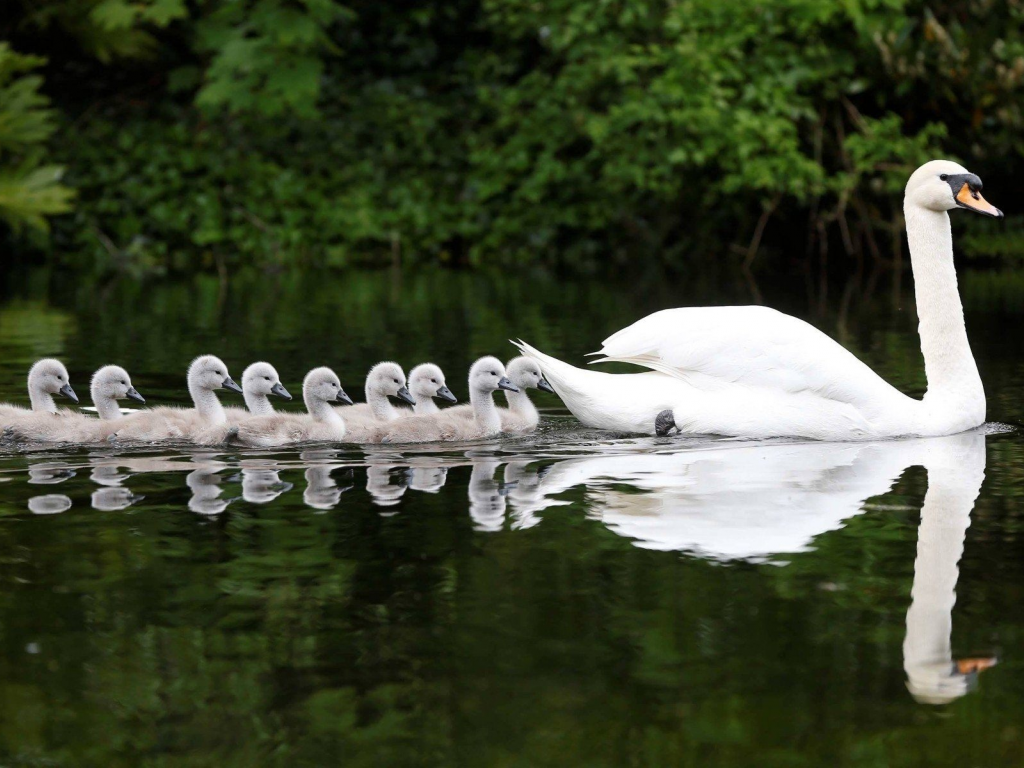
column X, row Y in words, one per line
column 266, row 54
column 30, row 189
column 286, row 131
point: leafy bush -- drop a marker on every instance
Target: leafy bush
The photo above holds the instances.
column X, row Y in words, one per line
column 30, row 189
column 284, row 132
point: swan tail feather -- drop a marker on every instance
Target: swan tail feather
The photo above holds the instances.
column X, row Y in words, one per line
column 645, row 361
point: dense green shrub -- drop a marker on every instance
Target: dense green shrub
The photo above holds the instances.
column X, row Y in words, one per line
column 30, row 189
column 573, row 132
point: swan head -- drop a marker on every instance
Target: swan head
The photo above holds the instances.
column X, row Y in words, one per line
column 488, row 374
column 525, row 373
column 322, row 385
column 207, row 373
column 50, row 377
column 111, row 382
column 388, row 380
column 427, row 381
column 942, row 185
column 262, row 379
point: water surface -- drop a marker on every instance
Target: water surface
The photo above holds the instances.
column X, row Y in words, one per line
column 566, row 598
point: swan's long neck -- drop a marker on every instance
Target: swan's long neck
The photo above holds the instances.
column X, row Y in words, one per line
column 521, row 405
column 206, row 404
column 380, row 406
column 425, row 404
column 257, row 404
column 106, row 406
column 484, row 410
column 324, row 413
column 41, row 399
column 949, row 365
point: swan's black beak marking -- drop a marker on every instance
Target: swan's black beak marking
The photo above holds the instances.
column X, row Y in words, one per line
column 343, row 398
column 404, row 396
column 543, row 386
column 507, row 385
column 279, row 390
column 69, row 393
column 446, row 394
column 967, row 192
column 230, row 384
column 133, row 394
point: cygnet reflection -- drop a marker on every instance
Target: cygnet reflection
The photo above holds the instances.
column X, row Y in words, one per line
column 50, row 473
column 50, row 504
column 206, row 486
column 261, row 482
column 486, row 499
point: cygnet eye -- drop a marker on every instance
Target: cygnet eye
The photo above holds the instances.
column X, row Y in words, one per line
column 267, row 378
column 433, row 381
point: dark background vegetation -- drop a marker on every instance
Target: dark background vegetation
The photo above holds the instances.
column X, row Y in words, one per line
column 163, row 135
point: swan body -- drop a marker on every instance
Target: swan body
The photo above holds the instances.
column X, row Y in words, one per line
column 756, row 372
column 206, row 374
column 46, row 378
column 321, row 389
column 383, row 381
column 109, row 384
column 486, row 376
column 521, row 416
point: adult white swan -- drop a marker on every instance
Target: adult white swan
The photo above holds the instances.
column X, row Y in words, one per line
column 755, row 372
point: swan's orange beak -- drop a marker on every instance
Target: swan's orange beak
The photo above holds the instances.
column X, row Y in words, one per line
column 966, row 666
column 972, row 200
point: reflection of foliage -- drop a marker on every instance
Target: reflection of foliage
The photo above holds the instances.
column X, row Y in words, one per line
column 274, row 635
column 30, row 190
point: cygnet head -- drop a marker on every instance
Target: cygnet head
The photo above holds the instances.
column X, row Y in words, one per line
column 525, row 373
column 111, row 382
column 942, row 185
column 50, row 377
column 488, row 374
column 426, row 381
column 261, row 379
column 208, row 373
column 388, row 380
column 322, row 385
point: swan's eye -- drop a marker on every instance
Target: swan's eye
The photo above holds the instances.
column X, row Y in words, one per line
column 267, row 378
column 944, row 176
column 433, row 381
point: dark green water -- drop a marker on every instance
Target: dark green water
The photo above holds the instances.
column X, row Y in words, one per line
column 563, row 599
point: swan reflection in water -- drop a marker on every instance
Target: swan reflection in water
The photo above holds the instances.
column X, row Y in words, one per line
column 724, row 501
column 759, row 501
column 206, row 484
column 322, row 490
column 261, row 481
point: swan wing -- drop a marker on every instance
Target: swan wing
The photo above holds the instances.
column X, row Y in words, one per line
column 714, row 347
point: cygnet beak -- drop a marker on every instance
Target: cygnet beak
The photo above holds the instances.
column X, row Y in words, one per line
column 507, row 385
column 343, row 398
column 403, row 395
column 229, row 383
column 133, row 394
column 446, row 394
column 69, row 393
column 279, row 390
column 543, row 386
